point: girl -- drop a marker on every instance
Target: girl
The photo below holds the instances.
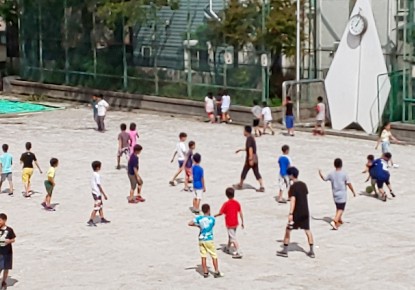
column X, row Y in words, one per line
column 133, row 137
column 289, row 116
column 385, row 138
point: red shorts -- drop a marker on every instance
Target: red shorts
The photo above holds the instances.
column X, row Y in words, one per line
column 210, row 114
column 188, row 171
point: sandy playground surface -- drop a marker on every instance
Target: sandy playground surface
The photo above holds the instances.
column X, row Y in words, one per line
column 150, row 246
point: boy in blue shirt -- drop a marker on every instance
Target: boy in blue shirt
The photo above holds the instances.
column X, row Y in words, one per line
column 382, row 174
column 284, row 162
column 206, row 222
column 6, row 162
column 198, row 182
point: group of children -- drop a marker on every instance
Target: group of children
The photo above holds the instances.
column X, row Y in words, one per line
column 218, row 108
column 261, row 114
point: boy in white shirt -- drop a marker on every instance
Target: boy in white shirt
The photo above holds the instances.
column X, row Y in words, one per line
column 225, row 106
column 210, row 107
column 267, row 118
column 180, row 151
column 97, row 191
column 102, row 107
column 321, row 117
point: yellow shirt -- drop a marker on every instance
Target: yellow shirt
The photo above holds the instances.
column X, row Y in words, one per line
column 385, row 136
column 51, row 172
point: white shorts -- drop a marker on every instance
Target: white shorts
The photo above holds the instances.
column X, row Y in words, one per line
column 198, row 193
column 283, row 182
column 225, row 109
column 232, row 234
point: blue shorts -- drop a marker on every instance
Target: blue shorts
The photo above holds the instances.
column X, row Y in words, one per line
column 181, row 162
column 289, row 122
column 385, row 147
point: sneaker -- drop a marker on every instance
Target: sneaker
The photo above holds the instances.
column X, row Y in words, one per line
column 195, row 211
column 393, row 195
column 395, row 165
column 237, row 186
column 226, row 250
column 118, row 167
column 236, row 256
column 205, row 275
column 133, row 201
column 140, row 199
column 384, row 198
column 218, row 275
column 3, row 285
column 333, row 225
column 91, row 223
column 43, row 204
column 283, row 254
column 105, row 221
column 261, row 189
column 11, row 193
column 49, row 208
column 311, row 254
column 172, row 183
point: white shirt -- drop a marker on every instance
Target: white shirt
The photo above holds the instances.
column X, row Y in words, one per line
column 385, row 136
column 226, row 101
column 321, row 112
column 266, row 113
column 209, row 106
column 181, row 151
column 256, row 111
column 102, row 107
column 95, row 181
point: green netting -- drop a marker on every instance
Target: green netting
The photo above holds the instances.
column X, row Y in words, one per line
column 14, row 107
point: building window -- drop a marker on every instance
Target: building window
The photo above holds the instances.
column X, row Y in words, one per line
column 146, row 51
column 194, row 57
column 402, row 5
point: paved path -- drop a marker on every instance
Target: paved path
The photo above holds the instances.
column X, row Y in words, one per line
column 150, row 246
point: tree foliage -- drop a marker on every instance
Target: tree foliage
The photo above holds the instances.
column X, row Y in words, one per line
column 8, row 11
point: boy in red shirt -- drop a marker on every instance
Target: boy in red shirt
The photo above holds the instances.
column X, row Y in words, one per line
column 231, row 209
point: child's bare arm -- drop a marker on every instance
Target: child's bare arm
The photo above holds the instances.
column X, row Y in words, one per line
column 321, row 175
column 218, row 214
column 242, row 219
column 102, row 191
column 192, row 224
column 352, row 189
column 203, row 183
column 9, row 241
column 174, row 155
column 38, row 167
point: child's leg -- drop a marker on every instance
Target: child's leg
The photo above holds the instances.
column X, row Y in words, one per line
column 47, row 199
column 131, row 194
column 93, row 215
column 177, row 173
column 338, row 217
column 204, row 266
column 310, row 242
column 118, row 160
column 215, row 264
column 270, row 127
column 5, row 274
column 101, row 213
column 11, row 189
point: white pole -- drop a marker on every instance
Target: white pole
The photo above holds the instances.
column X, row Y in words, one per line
column 298, row 58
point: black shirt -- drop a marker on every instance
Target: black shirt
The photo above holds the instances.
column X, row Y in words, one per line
column 299, row 191
column 250, row 143
column 6, row 233
column 27, row 159
column 289, row 109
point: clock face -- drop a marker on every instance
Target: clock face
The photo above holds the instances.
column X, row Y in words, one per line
column 357, row 25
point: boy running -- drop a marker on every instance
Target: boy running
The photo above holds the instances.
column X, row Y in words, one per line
column 231, row 209
column 257, row 112
column 124, row 141
column 27, row 159
column 97, row 192
column 284, row 162
column 7, row 238
column 339, row 180
column 320, row 118
column 382, row 174
column 50, row 184
column 6, row 162
column 188, row 163
column 299, row 216
column 267, row 118
column 180, row 152
column 134, row 177
column 198, row 182
column 205, row 223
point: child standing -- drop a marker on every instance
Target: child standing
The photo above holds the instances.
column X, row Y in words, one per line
column 97, row 192
column 320, row 118
column 205, row 223
column 299, row 216
column 257, row 112
column 180, row 152
column 225, row 107
column 27, row 159
column 267, row 118
column 6, row 162
column 385, row 139
column 284, row 162
column 7, row 238
column 339, row 180
column 123, row 144
column 133, row 136
column 102, row 107
column 210, row 107
column 188, row 164
column 134, row 177
column 289, row 116
column 231, row 209
column 50, row 184
column 198, row 182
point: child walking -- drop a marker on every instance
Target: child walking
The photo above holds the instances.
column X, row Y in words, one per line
column 6, row 162
column 289, row 116
column 320, row 117
column 50, row 184
column 385, row 139
column 133, row 136
column 27, row 159
column 7, row 238
column 188, row 164
column 102, row 108
column 284, row 162
column 206, row 223
column 231, row 209
column 123, row 144
column 180, row 152
column 198, row 182
column 135, row 180
column 97, row 193
column 339, row 180
column 267, row 118
column 257, row 113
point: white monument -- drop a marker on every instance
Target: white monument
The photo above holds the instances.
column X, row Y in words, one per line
column 352, row 81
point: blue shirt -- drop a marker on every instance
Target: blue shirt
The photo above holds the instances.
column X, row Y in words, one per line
column 381, row 169
column 206, row 224
column 132, row 163
column 284, row 161
column 197, row 173
column 6, row 161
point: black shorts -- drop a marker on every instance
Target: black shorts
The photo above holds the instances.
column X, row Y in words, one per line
column 380, row 183
column 6, row 262
column 340, row 205
column 301, row 223
column 255, row 123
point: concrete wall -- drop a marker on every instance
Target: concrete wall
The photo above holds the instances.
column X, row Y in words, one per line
column 240, row 114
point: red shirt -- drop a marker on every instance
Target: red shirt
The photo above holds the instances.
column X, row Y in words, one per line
column 230, row 209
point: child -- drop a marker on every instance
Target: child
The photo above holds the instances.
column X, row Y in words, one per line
column 198, row 182
column 50, row 184
column 289, row 116
column 102, row 107
column 369, row 168
column 284, row 162
column 257, row 112
column 7, row 238
column 231, row 209
column 320, row 118
column 188, row 163
column 94, row 108
column 210, row 107
column 385, row 139
column 134, row 177
column 382, row 174
column 206, row 222
column 27, row 159
column 133, row 136
column 6, row 162
column 225, row 106
column 299, row 216
column 267, row 118
column 339, row 180
column 124, row 141
column 180, row 152
column 97, row 192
